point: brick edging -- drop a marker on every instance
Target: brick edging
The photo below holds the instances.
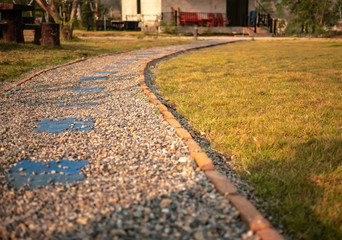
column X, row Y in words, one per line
column 248, row 213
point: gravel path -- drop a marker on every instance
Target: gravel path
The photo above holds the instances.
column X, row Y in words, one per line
column 140, row 182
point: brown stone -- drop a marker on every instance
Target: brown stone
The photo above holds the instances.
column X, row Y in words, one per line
column 165, row 202
column 174, row 123
column 182, row 133
column 269, row 234
column 151, row 95
column 201, row 159
column 82, row 220
column 162, row 108
column 192, row 145
column 249, row 214
column 168, row 115
column 3, row 231
column 221, row 182
column 155, row 101
column 208, row 167
column 143, row 86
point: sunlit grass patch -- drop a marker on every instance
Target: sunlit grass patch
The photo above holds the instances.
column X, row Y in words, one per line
column 275, row 108
column 16, row 59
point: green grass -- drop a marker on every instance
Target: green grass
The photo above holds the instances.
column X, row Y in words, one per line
column 117, row 33
column 16, row 59
column 275, row 108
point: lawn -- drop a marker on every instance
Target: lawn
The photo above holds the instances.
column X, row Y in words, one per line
column 17, row 59
column 275, row 109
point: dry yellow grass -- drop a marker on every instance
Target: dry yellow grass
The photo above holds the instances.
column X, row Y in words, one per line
column 275, row 108
column 17, row 59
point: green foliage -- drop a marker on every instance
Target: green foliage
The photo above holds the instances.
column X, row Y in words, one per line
column 206, row 32
column 87, row 16
column 170, row 28
column 275, row 109
column 309, row 16
column 65, row 23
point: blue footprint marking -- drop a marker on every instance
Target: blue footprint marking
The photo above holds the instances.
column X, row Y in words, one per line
column 131, row 60
column 118, row 67
column 94, row 78
column 62, row 166
column 77, row 104
column 105, row 72
column 58, row 126
column 92, row 89
column 37, row 174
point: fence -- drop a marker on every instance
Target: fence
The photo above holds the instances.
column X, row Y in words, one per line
column 182, row 19
column 264, row 19
column 195, row 18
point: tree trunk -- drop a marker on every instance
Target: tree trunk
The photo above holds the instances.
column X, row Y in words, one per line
column 54, row 12
column 72, row 18
column 51, row 9
column 96, row 10
column 322, row 13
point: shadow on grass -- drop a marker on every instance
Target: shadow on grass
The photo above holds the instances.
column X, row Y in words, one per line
column 65, row 45
column 306, row 189
column 17, row 59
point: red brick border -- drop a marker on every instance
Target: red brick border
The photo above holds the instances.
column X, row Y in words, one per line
column 248, row 213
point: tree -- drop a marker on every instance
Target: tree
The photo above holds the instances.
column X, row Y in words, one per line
column 87, row 15
column 66, row 26
column 311, row 13
column 337, row 10
column 70, row 26
column 50, row 8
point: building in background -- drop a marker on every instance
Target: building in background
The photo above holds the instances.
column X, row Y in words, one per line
column 187, row 13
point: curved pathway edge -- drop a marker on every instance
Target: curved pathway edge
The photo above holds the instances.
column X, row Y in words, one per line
column 249, row 214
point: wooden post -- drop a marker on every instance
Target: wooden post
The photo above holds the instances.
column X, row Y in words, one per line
column 195, row 32
column 37, row 35
column 50, row 34
column 12, row 21
column 12, row 26
column 175, row 15
column 270, row 24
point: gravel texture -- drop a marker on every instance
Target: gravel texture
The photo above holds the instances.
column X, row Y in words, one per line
column 140, row 182
column 221, row 161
